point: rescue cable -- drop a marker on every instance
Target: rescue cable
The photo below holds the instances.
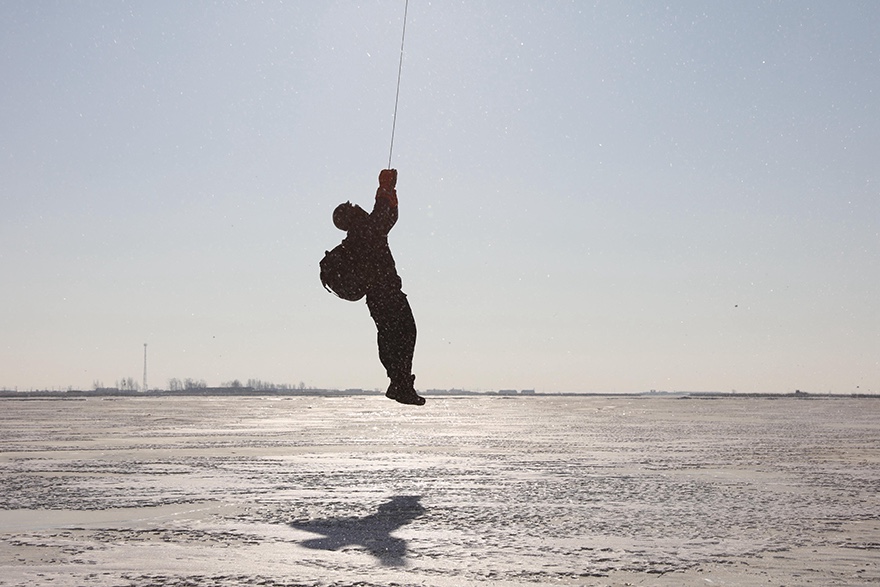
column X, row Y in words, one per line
column 399, row 70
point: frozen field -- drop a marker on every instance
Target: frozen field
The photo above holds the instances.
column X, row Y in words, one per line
column 464, row 491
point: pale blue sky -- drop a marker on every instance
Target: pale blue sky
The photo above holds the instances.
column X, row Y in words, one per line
column 595, row 196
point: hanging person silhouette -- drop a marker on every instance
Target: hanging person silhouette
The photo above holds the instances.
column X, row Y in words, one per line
column 363, row 265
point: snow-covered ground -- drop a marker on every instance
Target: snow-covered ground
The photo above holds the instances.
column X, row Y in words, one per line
column 463, row 491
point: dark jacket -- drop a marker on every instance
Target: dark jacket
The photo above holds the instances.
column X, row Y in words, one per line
column 369, row 235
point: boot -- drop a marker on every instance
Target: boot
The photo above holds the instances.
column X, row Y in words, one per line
column 403, row 391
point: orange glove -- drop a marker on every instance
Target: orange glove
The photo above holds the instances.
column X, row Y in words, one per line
column 388, row 179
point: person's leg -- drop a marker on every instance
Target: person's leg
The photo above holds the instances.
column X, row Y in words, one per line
column 396, row 338
column 395, row 331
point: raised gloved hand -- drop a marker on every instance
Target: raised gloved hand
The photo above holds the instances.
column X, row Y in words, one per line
column 388, row 179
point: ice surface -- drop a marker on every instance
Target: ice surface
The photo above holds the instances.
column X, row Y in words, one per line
column 464, row 491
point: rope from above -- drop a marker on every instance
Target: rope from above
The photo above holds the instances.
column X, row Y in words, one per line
column 399, row 70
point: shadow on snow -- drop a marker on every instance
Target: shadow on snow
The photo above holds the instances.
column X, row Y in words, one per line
column 372, row 532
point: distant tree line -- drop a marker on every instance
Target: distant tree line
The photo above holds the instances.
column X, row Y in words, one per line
column 190, row 384
column 175, row 384
column 260, row 385
column 124, row 384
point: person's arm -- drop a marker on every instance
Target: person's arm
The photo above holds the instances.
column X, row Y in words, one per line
column 385, row 209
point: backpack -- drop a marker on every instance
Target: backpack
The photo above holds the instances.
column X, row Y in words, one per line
column 342, row 272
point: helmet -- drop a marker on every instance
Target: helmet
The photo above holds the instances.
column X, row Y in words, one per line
column 346, row 215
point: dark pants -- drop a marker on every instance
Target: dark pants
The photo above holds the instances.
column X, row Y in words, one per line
column 396, row 331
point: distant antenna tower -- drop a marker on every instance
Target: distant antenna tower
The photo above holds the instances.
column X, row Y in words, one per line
column 145, row 366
